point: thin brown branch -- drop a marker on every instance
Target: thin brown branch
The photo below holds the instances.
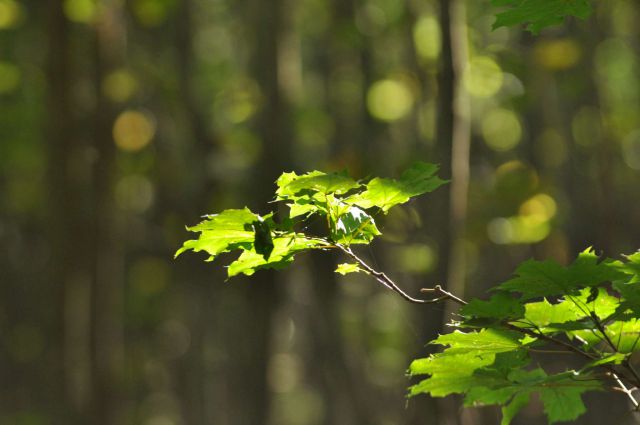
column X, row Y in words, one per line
column 390, row 284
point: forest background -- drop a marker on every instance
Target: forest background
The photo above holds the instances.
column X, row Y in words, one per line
column 120, row 122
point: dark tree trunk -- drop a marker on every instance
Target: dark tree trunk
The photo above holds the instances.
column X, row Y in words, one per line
column 64, row 232
column 106, row 245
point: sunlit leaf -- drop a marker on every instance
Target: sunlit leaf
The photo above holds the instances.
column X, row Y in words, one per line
column 615, row 358
column 354, row 226
column 346, row 268
column 231, row 229
column 385, row 193
column 484, row 341
column 284, row 249
column 290, row 184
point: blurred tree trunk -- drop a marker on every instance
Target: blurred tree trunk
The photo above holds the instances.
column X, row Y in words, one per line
column 250, row 338
column 107, row 294
column 453, row 139
column 453, row 143
column 346, row 402
column 197, row 377
column 63, row 222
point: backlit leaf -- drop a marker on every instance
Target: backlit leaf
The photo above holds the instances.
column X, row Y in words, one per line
column 484, row 341
column 284, row 249
column 346, row 268
column 231, row 229
column 385, row 193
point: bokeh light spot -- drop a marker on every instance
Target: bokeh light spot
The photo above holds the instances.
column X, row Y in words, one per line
column 10, row 14
column 614, row 59
column 81, row 11
column 541, row 207
column 501, row 129
column 426, row 35
column 517, row 230
column 134, row 193
column 10, row 77
column 515, row 178
column 415, row 258
column 483, row 77
column 119, row 85
column 238, row 101
column 152, row 13
column 389, row 100
column 133, row 130
column 557, row 55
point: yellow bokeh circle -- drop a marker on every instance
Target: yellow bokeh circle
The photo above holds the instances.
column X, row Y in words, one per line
column 133, row 130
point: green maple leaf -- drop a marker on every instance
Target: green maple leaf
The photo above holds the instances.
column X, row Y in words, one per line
column 560, row 393
column 484, row 341
column 231, row 229
column 548, row 278
column 385, row 193
column 282, row 254
column 501, row 306
column 450, row 373
column 543, row 313
column 510, row 410
column 354, row 226
column 538, row 14
column 563, row 403
column 290, row 184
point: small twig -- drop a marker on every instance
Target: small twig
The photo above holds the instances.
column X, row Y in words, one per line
column 390, row 284
column 625, row 363
column 444, row 294
column 628, row 391
column 603, row 331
